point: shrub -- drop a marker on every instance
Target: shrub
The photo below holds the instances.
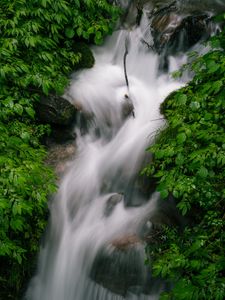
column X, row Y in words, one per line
column 189, row 164
column 38, row 52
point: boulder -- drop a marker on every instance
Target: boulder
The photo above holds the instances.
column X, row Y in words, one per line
column 55, row 110
column 140, row 187
column 127, row 107
column 86, row 57
column 59, row 156
column 120, row 268
column 173, row 32
column 126, row 242
column 111, row 204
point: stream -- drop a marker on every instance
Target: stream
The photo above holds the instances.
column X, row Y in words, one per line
column 98, row 215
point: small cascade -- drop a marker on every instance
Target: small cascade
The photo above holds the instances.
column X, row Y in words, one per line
column 94, row 246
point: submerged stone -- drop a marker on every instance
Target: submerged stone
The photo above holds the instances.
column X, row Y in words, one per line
column 111, row 204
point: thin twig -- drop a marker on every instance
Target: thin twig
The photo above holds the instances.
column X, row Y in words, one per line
column 147, row 44
column 157, row 119
column 125, row 61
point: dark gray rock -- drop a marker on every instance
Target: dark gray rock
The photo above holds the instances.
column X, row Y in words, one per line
column 61, row 135
column 117, row 271
column 127, row 107
column 140, row 187
column 59, row 156
column 53, row 109
column 173, row 32
column 121, row 268
column 87, row 59
column 111, row 204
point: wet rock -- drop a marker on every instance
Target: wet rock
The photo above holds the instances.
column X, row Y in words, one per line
column 120, row 268
column 87, row 59
column 193, row 6
column 84, row 120
column 120, row 271
column 55, row 110
column 173, row 32
column 127, row 107
column 165, row 213
column 191, row 30
column 140, row 187
column 126, row 242
column 111, row 204
column 59, row 156
column 61, row 135
column 139, row 190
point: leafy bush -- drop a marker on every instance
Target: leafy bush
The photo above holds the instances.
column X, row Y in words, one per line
column 37, row 53
column 189, row 164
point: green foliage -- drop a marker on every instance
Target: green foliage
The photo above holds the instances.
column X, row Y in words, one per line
column 25, row 184
column 87, row 59
column 189, row 163
column 38, row 39
column 41, row 43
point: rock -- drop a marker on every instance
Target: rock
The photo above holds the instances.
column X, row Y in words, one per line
column 59, row 155
column 119, row 271
column 87, row 59
column 165, row 213
column 173, row 32
column 191, row 30
column 127, row 107
column 126, row 242
column 111, row 203
column 163, row 27
column 55, row 110
column 120, row 268
column 84, row 120
column 60, row 135
column 140, row 187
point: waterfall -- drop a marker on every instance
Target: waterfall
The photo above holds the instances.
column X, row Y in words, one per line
column 97, row 205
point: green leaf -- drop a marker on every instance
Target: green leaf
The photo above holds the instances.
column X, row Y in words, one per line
column 216, row 86
column 203, row 172
column 25, row 136
column 212, row 66
column 16, row 209
column 70, row 33
column 195, row 105
column 182, row 99
column 164, row 194
column 98, row 37
column 18, row 109
column 17, row 224
column 179, row 159
column 79, row 31
column 181, row 138
column 30, row 111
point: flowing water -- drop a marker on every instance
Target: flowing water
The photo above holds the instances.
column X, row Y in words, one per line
column 110, row 152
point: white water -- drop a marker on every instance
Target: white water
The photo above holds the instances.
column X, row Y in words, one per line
column 107, row 158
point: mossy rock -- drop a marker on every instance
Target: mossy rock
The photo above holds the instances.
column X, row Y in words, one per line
column 87, row 58
column 53, row 109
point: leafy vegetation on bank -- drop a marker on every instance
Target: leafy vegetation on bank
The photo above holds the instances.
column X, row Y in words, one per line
column 38, row 50
column 189, row 164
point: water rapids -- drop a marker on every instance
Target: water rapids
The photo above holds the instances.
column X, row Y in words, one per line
column 110, row 152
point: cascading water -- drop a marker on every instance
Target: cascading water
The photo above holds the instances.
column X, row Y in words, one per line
column 109, row 154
